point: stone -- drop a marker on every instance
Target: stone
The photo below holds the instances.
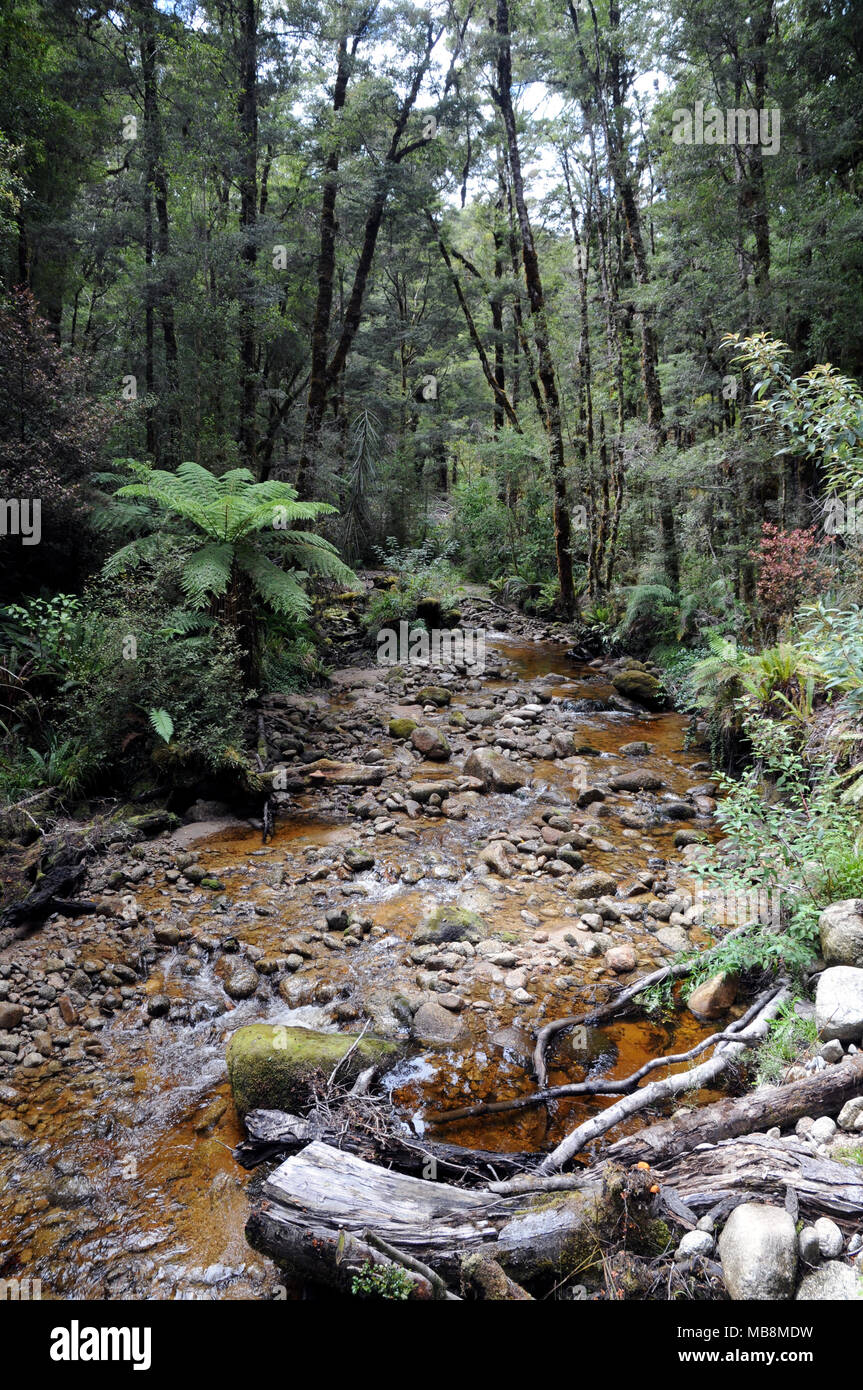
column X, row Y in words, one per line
column 593, row 883
column 635, row 750
column 494, row 855
column 823, row 1130
column 694, row 1243
column 358, row 859
column 434, row 695
column 714, row 997
column 640, row 686
column 640, row 779
column 621, row 959
column 758, row 1250
column 673, row 939
column 830, row 1239
column 10, row 1016
column 435, row 1024
column 841, row 929
column 401, row 728
column 14, row 1134
column 158, row 1005
column 809, row 1245
column 835, row 1281
column 431, row 743
column 242, row 982
column 839, row 1004
column 495, row 771
column 273, row 1067
column 851, row 1115
column 832, row 1051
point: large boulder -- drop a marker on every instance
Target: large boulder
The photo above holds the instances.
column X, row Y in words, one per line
column 640, row 686
column 434, row 695
column 496, row 772
column 839, row 1004
column 758, row 1249
column 273, row 1067
column 431, row 743
column 841, row 928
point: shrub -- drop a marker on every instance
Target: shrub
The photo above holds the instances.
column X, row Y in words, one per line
column 652, row 617
column 787, row 567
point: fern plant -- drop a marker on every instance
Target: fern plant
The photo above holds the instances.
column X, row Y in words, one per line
column 243, row 548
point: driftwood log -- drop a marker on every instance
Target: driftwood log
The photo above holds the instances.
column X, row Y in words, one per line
column 744, row 1170
column 324, row 1209
column 822, row 1094
column 272, row 1132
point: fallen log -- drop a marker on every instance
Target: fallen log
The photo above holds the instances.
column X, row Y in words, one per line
column 822, row 1094
column 321, row 1208
column 327, row 772
column 738, row 1170
column 272, row 1132
column 695, row 1078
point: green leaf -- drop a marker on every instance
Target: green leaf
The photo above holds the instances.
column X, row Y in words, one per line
column 162, row 724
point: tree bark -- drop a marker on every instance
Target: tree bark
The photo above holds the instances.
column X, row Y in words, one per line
column 502, row 95
column 248, row 113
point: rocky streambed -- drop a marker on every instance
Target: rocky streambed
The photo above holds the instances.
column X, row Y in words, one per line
column 456, row 861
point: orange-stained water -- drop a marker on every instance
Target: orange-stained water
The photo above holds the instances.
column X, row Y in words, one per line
column 128, row 1186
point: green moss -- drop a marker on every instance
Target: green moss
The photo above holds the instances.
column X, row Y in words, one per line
column 272, row 1067
column 402, row 728
column 434, row 695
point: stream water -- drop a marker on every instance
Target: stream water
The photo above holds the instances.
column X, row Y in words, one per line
column 128, row 1187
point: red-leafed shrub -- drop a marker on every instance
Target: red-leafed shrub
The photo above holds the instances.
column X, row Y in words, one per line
column 787, row 568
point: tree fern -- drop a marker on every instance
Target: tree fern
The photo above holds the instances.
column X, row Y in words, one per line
column 239, row 533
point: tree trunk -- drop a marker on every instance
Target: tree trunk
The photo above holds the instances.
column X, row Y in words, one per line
column 545, row 362
column 248, row 112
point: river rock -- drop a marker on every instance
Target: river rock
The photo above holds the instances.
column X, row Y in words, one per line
column 593, row 883
column 758, row 1250
column 494, row 855
column 841, row 928
column 10, row 1016
column 640, row 686
column 621, row 959
column 434, row 695
column 714, row 997
column 640, row 779
column 272, row 1067
column 850, row 1117
column 401, row 728
column 495, row 772
column 839, row 1004
column 431, row 743
column 834, row 1280
column 434, row 1024
column 673, row 939
column 242, row 982
column 830, row 1238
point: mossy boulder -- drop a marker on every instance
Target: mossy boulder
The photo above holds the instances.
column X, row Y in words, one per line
column 450, row 923
column 402, row 728
column 273, row 1067
column 641, row 686
column 434, row 695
